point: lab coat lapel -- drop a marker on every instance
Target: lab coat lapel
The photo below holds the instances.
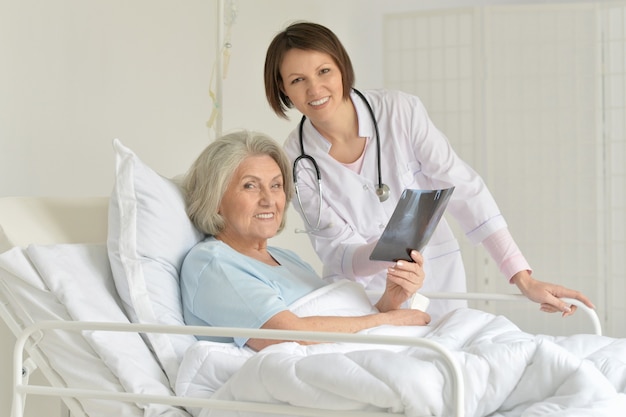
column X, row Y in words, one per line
column 346, row 191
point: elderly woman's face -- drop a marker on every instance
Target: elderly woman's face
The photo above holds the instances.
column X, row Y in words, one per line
column 254, row 202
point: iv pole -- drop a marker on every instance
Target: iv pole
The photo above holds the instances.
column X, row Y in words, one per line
column 219, row 67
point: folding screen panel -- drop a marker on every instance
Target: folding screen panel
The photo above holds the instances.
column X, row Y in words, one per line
column 533, row 98
column 613, row 24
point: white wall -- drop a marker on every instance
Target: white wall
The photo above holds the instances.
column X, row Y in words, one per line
column 75, row 74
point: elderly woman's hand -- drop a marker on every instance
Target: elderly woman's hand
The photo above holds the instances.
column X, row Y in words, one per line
column 403, row 280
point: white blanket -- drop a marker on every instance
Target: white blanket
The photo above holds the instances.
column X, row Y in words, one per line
column 507, row 372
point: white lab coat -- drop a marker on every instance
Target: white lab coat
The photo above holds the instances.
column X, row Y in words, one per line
column 415, row 154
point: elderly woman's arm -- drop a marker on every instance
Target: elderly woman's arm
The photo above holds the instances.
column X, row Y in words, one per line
column 286, row 320
column 403, row 280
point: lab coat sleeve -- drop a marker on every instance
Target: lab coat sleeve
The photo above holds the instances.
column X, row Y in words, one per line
column 360, row 262
column 472, row 204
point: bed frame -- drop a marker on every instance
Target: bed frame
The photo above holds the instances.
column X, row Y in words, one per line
column 26, row 220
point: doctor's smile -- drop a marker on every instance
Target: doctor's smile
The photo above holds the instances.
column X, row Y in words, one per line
column 319, row 102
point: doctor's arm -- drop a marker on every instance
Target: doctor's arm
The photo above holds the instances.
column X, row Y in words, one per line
column 513, row 265
column 343, row 251
column 548, row 295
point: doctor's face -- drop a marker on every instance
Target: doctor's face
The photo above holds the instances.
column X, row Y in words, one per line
column 254, row 202
column 313, row 83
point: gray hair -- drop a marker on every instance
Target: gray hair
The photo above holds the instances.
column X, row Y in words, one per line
column 208, row 177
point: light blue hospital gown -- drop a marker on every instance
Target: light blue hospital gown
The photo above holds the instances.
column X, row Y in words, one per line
column 222, row 287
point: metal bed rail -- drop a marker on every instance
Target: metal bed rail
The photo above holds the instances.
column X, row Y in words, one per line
column 37, row 360
column 22, row 368
column 22, row 388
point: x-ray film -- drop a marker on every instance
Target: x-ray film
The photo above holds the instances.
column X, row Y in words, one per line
column 412, row 224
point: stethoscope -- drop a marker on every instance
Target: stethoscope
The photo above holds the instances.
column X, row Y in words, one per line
column 382, row 190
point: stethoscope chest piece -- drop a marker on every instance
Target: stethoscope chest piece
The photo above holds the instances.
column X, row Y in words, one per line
column 382, row 191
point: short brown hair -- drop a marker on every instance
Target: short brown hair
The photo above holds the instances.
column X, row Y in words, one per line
column 305, row 36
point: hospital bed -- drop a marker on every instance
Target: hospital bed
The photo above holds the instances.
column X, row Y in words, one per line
column 89, row 288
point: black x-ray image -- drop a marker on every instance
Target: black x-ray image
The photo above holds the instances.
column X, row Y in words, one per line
column 412, row 224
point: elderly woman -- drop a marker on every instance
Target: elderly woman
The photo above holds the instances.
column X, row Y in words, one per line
column 236, row 192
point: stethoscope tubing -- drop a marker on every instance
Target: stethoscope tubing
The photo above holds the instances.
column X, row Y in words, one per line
column 319, row 188
column 382, row 190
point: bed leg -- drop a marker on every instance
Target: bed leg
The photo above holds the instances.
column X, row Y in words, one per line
column 19, row 400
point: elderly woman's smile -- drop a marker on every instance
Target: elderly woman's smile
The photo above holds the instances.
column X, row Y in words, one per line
column 265, row 216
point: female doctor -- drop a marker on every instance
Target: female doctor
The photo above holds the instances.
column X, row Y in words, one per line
column 359, row 151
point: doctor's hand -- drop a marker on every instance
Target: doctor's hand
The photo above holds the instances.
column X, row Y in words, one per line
column 549, row 295
column 404, row 279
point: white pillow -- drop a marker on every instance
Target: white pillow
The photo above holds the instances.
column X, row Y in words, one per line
column 80, row 277
column 149, row 235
